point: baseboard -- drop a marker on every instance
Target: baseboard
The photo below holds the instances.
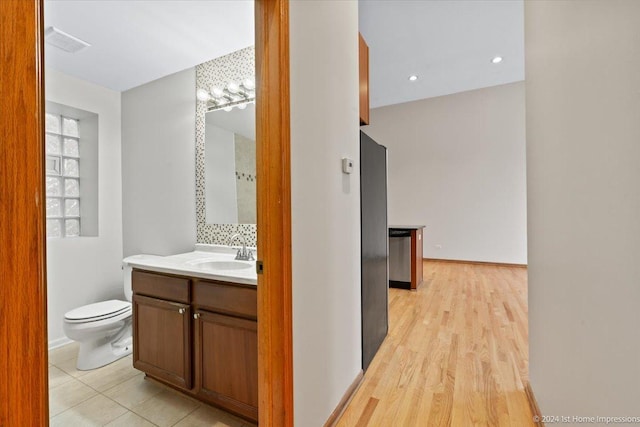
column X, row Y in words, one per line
column 495, row 264
column 344, row 402
column 59, row 342
column 533, row 404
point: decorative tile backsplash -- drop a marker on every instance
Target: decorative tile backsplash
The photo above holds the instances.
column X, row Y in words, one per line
column 236, row 67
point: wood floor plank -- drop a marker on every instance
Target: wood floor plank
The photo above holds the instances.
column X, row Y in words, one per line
column 456, row 353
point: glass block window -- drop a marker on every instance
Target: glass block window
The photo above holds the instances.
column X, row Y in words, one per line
column 62, row 142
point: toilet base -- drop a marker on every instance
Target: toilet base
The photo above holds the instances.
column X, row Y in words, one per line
column 100, row 352
column 102, row 341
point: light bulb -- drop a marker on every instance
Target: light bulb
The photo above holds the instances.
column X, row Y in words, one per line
column 233, row 87
column 249, row 83
column 496, row 60
column 217, row 92
column 202, row 95
column 227, row 109
column 242, row 106
column 413, row 78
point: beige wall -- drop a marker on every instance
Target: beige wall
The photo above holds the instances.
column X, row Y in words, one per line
column 158, row 166
column 457, row 164
column 583, row 162
column 325, row 206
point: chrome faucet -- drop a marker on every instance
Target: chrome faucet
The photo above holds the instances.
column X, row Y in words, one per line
column 243, row 254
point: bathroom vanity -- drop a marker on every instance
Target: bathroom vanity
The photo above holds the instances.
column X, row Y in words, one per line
column 195, row 326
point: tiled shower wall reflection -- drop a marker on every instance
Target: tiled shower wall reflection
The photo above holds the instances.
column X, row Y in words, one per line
column 236, row 66
column 245, row 179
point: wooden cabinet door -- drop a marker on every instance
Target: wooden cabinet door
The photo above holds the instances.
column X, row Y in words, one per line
column 227, row 362
column 162, row 339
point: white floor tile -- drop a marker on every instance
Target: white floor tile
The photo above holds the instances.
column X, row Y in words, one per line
column 97, row 411
column 101, row 397
column 111, row 375
column 130, row 420
column 134, row 391
column 57, row 377
column 69, row 366
column 68, row 395
column 207, row 416
column 166, row 408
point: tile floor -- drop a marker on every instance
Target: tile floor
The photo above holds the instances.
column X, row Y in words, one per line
column 119, row 395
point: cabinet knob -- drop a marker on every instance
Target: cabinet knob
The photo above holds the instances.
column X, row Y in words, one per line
column 196, row 315
column 181, row 311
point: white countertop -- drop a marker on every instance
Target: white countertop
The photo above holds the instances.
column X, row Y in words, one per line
column 193, row 264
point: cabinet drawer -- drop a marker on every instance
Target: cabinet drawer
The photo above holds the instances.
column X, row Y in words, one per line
column 161, row 286
column 223, row 298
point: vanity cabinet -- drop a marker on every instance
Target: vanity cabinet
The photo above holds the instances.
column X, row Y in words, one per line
column 199, row 336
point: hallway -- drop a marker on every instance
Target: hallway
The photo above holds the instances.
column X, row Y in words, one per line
column 456, row 353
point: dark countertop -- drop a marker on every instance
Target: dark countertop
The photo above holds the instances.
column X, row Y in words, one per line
column 406, row 227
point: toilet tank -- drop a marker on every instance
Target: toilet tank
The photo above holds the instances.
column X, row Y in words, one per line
column 126, row 281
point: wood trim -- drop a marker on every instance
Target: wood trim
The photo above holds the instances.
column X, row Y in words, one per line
column 346, row 399
column 414, row 261
column 275, row 348
column 533, row 404
column 363, row 66
column 23, row 298
column 416, row 257
column 496, row 264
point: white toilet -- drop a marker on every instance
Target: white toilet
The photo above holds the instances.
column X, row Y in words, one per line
column 103, row 329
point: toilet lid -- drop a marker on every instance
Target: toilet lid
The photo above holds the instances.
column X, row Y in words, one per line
column 99, row 310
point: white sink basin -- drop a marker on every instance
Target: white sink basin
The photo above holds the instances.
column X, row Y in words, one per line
column 222, row 265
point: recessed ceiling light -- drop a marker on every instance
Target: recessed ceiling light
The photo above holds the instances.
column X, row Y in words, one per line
column 497, row 60
column 413, row 78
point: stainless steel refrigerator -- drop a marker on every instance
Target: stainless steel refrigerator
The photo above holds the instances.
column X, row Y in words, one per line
column 375, row 247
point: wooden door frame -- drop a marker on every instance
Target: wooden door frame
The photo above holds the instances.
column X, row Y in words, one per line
column 23, row 310
column 23, row 299
column 273, row 149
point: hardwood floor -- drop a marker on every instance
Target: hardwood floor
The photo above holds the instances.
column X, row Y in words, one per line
column 456, row 353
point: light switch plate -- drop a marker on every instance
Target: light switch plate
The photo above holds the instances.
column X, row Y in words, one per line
column 347, row 165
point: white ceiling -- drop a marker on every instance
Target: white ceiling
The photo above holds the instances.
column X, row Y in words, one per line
column 135, row 42
column 448, row 44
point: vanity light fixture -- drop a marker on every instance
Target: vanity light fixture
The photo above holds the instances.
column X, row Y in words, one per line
column 233, row 95
column 202, row 95
column 233, row 87
column 496, row 60
column 249, row 83
column 217, row 92
column 413, row 78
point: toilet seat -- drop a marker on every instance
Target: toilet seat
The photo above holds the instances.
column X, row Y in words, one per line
column 98, row 311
